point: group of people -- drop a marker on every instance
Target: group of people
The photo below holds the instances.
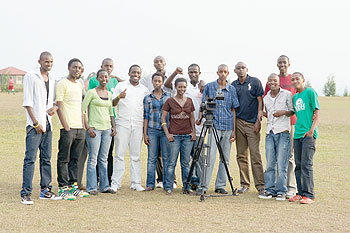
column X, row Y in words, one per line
column 164, row 111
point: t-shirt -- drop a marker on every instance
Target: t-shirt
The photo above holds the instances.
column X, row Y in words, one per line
column 70, row 94
column 93, row 83
column 99, row 110
column 11, row 82
column 305, row 103
column 194, row 93
column 285, row 83
column 179, row 116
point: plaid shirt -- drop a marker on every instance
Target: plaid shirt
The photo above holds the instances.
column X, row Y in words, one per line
column 153, row 109
column 223, row 116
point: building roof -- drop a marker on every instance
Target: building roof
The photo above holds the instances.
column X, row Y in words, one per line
column 12, row 71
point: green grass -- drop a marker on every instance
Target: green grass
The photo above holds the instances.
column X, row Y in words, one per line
column 155, row 212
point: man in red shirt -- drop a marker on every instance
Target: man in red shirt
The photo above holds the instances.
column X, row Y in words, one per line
column 11, row 88
column 286, row 83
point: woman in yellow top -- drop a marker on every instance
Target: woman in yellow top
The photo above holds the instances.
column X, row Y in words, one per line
column 99, row 133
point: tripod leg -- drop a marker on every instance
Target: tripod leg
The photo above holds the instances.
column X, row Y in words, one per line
column 223, row 160
column 197, row 153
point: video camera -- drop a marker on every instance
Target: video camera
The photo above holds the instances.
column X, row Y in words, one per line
column 209, row 105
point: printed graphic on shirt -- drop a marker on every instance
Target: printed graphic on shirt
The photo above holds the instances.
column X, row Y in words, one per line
column 299, row 105
column 181, row 115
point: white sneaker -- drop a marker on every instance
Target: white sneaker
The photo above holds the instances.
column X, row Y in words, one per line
column 281, row 197
column 26, row 200
column 174, row 186
column 159, row 185
column 138, row 188
column 290, row 194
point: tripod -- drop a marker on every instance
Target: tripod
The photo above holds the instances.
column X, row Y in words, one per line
column 208, row 128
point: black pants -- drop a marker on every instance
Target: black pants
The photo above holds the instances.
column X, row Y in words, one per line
column 70, row 145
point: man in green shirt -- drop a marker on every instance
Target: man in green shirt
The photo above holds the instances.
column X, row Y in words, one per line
column 307, row 108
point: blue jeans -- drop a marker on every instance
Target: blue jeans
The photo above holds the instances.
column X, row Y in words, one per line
column 224, row 140
column 183, row 145
column 277, row 148
column 156, row 137
column 35, row 141
column 304, row 150
column 98, row 152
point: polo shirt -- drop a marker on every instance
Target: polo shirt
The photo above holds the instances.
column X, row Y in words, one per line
column 223, row 116
column 130, row 108
column 247, row 93
column 282, row 101
column 35, row 96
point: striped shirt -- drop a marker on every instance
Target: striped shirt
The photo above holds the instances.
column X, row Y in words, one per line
column 153, row 109
column 223, row 116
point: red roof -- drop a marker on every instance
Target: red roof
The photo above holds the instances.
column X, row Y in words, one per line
column 12, row 71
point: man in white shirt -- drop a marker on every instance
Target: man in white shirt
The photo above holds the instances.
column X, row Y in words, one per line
column 128, row 97
column 38, row 96
column 279, row 107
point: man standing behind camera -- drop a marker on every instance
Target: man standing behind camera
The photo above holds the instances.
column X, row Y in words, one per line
column 225, row 123
column 249, row 114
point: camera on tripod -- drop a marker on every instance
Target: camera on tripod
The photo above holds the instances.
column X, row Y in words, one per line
column 209, row 104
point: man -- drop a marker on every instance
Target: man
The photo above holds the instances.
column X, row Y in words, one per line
column 108, row 65
column 11, row 87
column 225, row 123
column 38, row 94
column 286, row 83
column 72, row 134
column 249, row 114
column 193, row 91
column 307, row 109
column 159, row 64
column 279, row 107
column 128, row 97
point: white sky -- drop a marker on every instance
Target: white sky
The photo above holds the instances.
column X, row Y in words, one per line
column 313, row 33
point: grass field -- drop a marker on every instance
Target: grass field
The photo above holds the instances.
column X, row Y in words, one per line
column 130, row 211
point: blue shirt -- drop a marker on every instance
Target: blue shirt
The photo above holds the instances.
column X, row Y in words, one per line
column 153, row 109
column 223, row 116
column 248, row 93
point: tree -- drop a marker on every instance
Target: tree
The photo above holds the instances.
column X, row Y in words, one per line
column 329, row 87
column 307, row 83
column 346, row 93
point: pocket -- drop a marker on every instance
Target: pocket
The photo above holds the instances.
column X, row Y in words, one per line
column 29, row 128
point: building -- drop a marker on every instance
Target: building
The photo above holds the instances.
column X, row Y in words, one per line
column 15, row 73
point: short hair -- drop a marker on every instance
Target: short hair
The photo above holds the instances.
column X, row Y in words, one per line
column 272, row 74
column 159, row 57
column 179, row 80
column 74, row 60
column 158, row 74
column 298, row 73
column 134, row 66
column 223, row 65
column 194, row 65
column 44, row 54
column 283, row 56
column 100, row 71
column 107, row 59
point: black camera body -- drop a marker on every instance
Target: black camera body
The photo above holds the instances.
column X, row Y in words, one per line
column 209, row 105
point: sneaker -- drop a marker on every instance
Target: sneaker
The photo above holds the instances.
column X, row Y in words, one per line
column 199, row 192
column 75, row 191
column 221, row 191
column 188, row 192
column 137, row 187
column 110, row 190
column 265, row 195
column 174, row 185
column 289, row 194
column 296, row 198
column 159, row 185
column 168, row 192
column 65, row 194
column 93, row 192
column 47, row 194
column 261, row 191
column 306, row 200
column 281, row 197
column 149, row 189
column 243, row 189
column 26, row 200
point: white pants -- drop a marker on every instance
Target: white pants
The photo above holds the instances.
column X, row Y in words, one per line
column 125, row 137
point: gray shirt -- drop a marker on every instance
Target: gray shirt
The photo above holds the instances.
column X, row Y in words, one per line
column 282, row 101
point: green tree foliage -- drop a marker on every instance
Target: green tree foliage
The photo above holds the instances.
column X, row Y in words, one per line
column 346, row 93
column 329, row 87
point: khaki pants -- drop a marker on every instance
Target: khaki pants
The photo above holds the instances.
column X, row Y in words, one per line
column 247, row 138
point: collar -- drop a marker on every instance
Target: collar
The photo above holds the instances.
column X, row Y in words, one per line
column 163, row 95
column 281, row 91
column 226, row 87
column 37, row 72
column 245, row 81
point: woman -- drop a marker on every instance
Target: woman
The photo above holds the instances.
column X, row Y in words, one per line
column 99, row 133
column 181, row 133
column 153, row 133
